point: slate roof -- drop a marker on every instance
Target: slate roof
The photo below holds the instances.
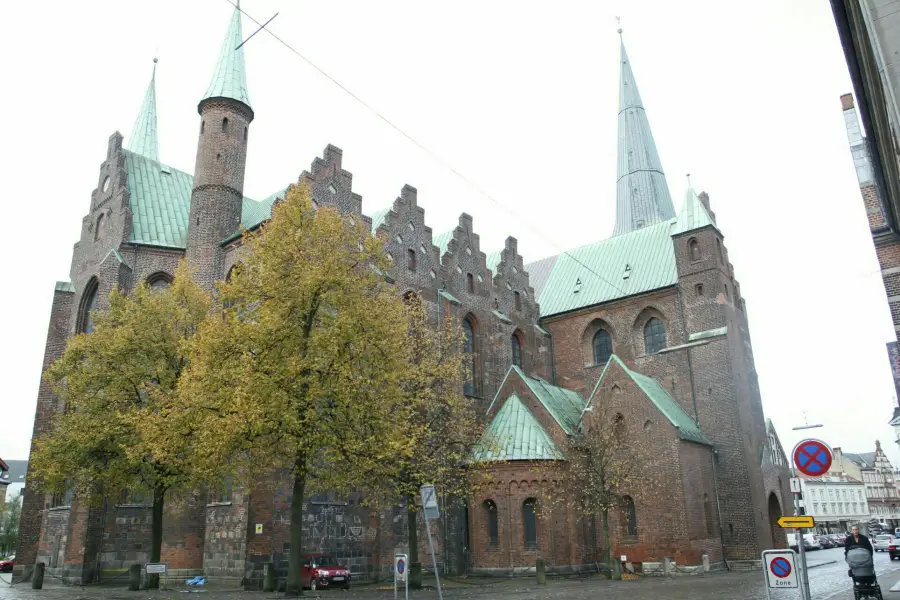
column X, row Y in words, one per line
column 687, row 428
column 230, row 77
column 564, row 405
column 17, row 470
column 515, row 434
column 864, row 459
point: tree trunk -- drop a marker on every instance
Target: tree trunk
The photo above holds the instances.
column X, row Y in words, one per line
column 415, row 567
column 606, row 548
column 294, row 585
column 159, row 495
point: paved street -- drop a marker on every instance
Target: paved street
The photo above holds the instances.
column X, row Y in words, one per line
column 828, row 581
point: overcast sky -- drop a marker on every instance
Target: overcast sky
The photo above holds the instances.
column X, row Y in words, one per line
column 521, row 98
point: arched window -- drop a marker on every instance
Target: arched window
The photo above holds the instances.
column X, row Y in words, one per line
column 159, row 281
column 516, row 344
column 88, row 306
column 411, row 259
column 493, row 522
column 202, row 127
column 469, row 349
column 518, row 298
column 695, row 250
column 654, row 336
column 99, row 227
column 245, row 134
column 629, row 516
column 470, row 283
column 602, row 347
column 529, row 523
column 225, row 125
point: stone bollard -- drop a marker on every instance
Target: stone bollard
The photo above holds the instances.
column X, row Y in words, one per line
column 541, row 572
column 415, row 576
column 615, row 570
column 269, row 577
column 37, row 578
column 667, row 567
column 134, row 578
column 706, row 563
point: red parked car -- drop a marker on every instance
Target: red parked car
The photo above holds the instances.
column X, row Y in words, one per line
column 323, row 571
column 7, row 564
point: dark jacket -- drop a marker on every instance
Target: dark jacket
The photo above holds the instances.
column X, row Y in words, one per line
column 862, row 542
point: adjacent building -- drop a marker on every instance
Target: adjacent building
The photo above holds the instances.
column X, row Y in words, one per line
column 876, row 473
column 652, row 321
column 4, row 481
column 837, row 502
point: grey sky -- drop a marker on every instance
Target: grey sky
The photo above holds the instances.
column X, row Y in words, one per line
column 521, row 98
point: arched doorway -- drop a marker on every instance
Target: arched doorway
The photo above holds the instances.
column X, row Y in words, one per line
column 779, row 540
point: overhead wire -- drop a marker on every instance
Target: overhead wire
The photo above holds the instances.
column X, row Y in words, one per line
column 424, row 148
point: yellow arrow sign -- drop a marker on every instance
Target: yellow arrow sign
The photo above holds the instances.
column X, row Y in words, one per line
column 804, row 522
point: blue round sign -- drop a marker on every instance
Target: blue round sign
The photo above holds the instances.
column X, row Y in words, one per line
column 401, row 566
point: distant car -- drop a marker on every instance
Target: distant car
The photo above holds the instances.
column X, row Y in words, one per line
column 811, row 542
column 7, row 564
column 322, row 571
column 882, row 542
column 894, row 549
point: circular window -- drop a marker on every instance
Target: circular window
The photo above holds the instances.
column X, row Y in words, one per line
column 105, row 186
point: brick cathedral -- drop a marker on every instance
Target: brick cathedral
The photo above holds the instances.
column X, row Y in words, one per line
column 650, row 321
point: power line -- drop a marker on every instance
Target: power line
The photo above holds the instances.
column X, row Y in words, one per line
column 425, row 149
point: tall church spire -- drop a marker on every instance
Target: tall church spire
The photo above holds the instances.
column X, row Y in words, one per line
column 230, row 78
column 642, row 194
column 143, row 135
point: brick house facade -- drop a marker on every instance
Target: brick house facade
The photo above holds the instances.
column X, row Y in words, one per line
column 660, row 296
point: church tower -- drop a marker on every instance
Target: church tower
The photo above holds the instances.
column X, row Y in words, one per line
column 218, row 191
column 642, row 194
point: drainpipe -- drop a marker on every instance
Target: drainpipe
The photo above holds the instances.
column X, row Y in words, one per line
column 551, row 375
column 713, row 458
column 690, row 365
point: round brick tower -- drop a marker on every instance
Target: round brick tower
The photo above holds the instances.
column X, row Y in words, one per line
column 218, row 192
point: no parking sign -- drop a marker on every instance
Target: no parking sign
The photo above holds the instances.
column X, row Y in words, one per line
column 781, row 569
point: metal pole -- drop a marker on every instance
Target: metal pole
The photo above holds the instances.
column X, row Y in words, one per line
column 394, row 569
column 433, row 559
column 804, row 576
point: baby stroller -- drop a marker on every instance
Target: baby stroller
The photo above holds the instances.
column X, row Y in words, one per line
column 862, row 570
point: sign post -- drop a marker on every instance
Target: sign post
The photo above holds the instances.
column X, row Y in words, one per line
column 401, row 574
column 431, row 511
column 781, row 570
column 158, row 569
column 812, row 458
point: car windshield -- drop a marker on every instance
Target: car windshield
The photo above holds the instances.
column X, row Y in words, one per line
column 884, row 538
column 324, row 561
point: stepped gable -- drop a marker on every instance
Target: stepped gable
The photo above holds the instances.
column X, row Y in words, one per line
column 511, row 277
column 331, row 185
column 461, row 257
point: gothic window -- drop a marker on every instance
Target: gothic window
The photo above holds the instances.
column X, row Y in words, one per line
column 699, row 289
column 89, row 305
column 493, row 523
column 469, row 387
column 518, row 298
column 516, row 349
column 529, row 522
column 99, row 228
column 602, row 347
column 629, row 516
column 654, row 336
column 159, row 281
column 695, row 250
column 411, row 259
column 470, row 283
column 619, row 427
column 225, row 125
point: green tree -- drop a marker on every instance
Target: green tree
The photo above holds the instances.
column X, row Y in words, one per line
column 302, row 373
column 10, row 512
column 123, row 428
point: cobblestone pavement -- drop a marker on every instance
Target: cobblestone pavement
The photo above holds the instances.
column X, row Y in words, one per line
column 828, row 581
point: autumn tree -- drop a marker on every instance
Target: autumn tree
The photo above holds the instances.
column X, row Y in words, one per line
column 123, row 428
column 602, row 463
column 303, row 372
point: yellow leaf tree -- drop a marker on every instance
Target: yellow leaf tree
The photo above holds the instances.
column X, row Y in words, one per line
column 122, row 428
column 303, row 372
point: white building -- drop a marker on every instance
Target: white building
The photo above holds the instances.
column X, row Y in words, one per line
column 836, row 502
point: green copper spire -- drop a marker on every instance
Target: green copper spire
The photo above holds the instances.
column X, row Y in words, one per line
column 143, row 135
column 230, row 78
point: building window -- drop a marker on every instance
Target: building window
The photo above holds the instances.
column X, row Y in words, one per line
column 699, row 289
column 202, row 127
column 695, row 250
column 89, row 305
column 159, row 281
column 411, row 259
column 225, row 125
column 529, row 522
column 654, row 336
column 99, row 228
column 602, row 347
column 727, row 296
column 516, row 344
column 469, row 349
column 719, row 251
column 493, row 523
column 470, row 283
column 105, row 186
column 619, row 427
column 518, row 298
column 245, row 134
column 61, row 499
column 629, row 516
column 223, row 496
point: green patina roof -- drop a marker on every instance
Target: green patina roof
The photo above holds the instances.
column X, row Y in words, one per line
column 693, row 214
column 449, row 297
column 161, row 201
column 709, row 333
column 565, row 406
column 500, row 315
column 442, row 240
column 378, row 218
column 493, row 261
column 668, row 406
column 646, row 256
column 515, row 434
column 64, row 286
column 230, row 78
column 143, row 135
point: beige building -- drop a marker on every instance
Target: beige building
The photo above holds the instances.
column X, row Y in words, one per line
column 836, row 502
column 877, row 474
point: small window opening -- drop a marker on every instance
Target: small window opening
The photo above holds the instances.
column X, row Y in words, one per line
column 518, row 298
column 225, row 125
column 245, row 134
column 202, row 127
column 411, row 259
column 470, row 283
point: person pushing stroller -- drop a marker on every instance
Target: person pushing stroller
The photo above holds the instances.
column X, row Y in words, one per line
column 858, row 553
